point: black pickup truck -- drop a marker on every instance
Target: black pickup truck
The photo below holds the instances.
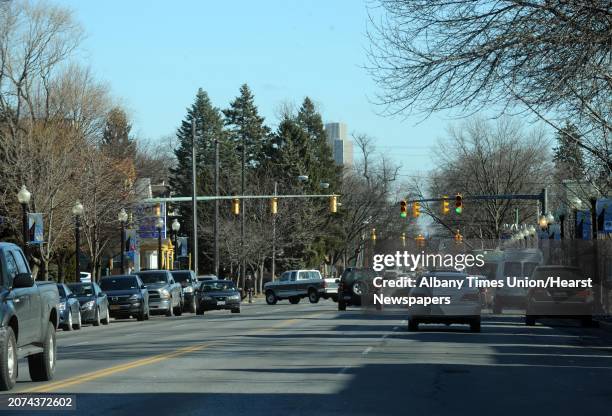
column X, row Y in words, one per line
column 28, row 319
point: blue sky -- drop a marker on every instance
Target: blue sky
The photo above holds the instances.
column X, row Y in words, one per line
column 156, row 54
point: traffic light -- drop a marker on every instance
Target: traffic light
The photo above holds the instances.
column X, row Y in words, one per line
column 458, row 237
column 416, row 209
column 236, row 206
column 420, row 240
column 274, row 206
column 458, row 204
column 445, row 205
column 403, row 209
column 333, row 204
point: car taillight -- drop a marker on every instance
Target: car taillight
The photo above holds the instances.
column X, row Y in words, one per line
column 471, row 296
column 584, row 293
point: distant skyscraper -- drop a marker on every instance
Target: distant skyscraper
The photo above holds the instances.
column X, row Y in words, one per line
column 342, row 147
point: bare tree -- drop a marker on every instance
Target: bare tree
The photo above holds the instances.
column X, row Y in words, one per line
column 551, row 59
column 484, row 158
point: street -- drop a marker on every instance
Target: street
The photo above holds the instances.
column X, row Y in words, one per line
column 312, row 359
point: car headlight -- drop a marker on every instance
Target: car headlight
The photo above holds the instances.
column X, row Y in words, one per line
column 89, row 305
column 62, row 306
column 235, row 297
column 164, row 294
column 206, row 297
column 188, row 289
column 135, row 296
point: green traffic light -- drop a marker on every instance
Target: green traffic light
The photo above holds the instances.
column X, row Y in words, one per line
column 458, row 210
column 403, row 214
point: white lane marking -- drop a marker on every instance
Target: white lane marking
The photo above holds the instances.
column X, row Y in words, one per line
column 79, row 343
column 343, row 370
column 366, row 351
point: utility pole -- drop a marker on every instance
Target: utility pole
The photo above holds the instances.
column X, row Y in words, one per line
column 242, row 217
column 274, row 238
column 216, row 207
column 194, row 196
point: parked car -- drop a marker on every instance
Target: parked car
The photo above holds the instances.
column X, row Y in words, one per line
column 207, row 277
column 93, row 301
column 69, row 309
column 218, row 295
column 165, row 295
column 464, row 306
column 127, row 297
column 330, row 284
column 355, row 287
column 295, row 285
column 29, row 317
column 559, row 302
column 189, row 284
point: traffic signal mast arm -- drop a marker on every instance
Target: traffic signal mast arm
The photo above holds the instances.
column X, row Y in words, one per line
column 231, row 197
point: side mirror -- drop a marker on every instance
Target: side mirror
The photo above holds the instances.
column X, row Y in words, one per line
column 144, row 286
column 23, row 280
column 72, row 295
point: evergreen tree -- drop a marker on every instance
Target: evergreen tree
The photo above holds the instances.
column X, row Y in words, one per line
column 209, row 127
column 321, row 166
column 568, row 155
column 245, row 124
column 116, row 140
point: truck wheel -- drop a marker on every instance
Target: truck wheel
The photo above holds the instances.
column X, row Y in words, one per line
column 170, row 310
column 8, row 360
column 78, row 324
column 341, row 305
column 141, row 315
column 200, row 311
column 42, row 365
column 530, row 320
column 475, row 325
column 178, row 311
column 271, row 298
column 106, row 319
column 313, row 296
column 236, row 310
column 294, row 301
column 96, row 321
column 413, row 325
column 497, row 309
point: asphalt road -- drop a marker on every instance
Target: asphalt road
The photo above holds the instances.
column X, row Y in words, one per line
column 313, row 360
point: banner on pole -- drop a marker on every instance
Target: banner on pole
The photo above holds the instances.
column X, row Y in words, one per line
column 35, row 228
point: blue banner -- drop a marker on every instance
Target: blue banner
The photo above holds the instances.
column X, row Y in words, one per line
column 583, row 225
column 604, row 215
column 146, row 216
column 35, row 228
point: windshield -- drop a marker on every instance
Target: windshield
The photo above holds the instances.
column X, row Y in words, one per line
column 512, row 269
column 488, row 269
column 181, row 277
column 219, row 285
column 82, row 289
column 119, row 284
column 151, row 278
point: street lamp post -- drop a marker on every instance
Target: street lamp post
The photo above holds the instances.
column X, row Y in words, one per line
column 176, row 226
column 274, row 237
column 159, row 225
column 77, row 211
column 123, row 217
column 23, row 196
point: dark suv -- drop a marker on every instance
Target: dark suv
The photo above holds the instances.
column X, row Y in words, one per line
column 355, row 287
column 189, row 285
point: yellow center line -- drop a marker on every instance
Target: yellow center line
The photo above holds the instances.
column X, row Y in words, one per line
column 94, row 375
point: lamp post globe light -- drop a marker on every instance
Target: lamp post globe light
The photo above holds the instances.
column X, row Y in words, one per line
column 77, row 211
column 550, row 218
column 159, row 225
column 543, row 222
column 122, row 217
column 176, row 226
column 23, row 196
